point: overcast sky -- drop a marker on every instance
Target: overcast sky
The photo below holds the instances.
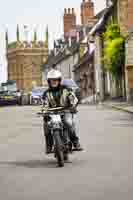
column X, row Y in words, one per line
column 35, row 14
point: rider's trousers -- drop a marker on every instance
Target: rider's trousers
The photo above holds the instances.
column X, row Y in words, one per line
column 70, row 120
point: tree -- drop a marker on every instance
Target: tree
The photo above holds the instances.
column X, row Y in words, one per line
column 114, row 52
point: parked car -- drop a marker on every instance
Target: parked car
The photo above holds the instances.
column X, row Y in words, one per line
column 71, row 84
column 9, row 93
column 7, row 98
column 36, row 95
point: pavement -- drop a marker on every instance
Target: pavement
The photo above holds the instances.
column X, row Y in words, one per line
column 104, row 171
column 123, row 106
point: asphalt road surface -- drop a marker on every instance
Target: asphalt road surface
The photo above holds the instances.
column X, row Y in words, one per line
column 104, row 171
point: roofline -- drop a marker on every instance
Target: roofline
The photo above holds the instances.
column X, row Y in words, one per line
column 101, row 22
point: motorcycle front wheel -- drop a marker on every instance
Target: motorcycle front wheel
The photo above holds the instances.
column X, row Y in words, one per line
column 59, row 152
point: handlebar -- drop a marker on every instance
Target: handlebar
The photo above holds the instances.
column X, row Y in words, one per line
column 56, row 110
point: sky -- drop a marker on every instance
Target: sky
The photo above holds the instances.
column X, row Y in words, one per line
column 36, row 14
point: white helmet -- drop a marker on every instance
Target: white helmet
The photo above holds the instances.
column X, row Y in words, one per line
column 54, row 74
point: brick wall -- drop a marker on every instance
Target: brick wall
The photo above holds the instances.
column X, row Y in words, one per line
column 87, row 11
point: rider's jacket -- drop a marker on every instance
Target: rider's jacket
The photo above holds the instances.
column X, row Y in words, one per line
column 61, row 96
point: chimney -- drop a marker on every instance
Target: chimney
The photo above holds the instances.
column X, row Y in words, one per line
column 73, row 11
column 69, row 21
column 87, row 11
column 65, row 11
column 69, row 11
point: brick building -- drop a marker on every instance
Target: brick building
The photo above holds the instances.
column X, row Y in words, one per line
column 87, row 11
column 25, row 61
column 70, row 19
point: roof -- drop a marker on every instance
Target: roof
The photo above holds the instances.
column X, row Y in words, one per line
column 61, row 55
column 130, row 36
column 86, row 58
column 100, row 14
column 100, row 25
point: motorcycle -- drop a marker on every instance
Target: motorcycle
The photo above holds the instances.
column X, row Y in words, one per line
column 62, row 145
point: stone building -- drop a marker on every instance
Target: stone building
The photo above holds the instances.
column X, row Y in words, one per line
column 125, row 19
column 121, row 12
column 25, row 61
column 63, row 61
column 84, row 75
column 125, row 15
column 102, row 79
column 129, row 67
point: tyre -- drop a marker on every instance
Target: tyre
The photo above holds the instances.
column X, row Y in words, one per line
column 59, row 149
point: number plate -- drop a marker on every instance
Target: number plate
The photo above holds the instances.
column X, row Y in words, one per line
column 8, row 97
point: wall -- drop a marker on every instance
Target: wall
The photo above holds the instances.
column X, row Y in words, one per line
column 25, row 66
column 125, row 15
column 66, row 66
column 129, row 68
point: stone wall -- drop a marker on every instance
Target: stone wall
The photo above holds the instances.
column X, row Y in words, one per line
column 129, row 67
column 25, row 65
column 125, row 15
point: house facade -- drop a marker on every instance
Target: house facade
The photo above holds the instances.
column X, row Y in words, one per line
column 129, row 67
column 84, row 75
column 121, row 12
column 63, row 61
column 124, row 15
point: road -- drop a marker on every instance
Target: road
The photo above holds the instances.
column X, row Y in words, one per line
column 104, row 171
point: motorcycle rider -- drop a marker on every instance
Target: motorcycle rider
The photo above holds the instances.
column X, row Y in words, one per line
column 60, row 96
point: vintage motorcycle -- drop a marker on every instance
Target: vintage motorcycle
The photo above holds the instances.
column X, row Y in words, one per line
column 62, row 145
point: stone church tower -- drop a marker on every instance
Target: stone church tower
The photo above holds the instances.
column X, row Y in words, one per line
column 25, row 61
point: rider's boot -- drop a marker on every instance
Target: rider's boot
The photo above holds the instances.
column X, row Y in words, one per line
column 48, row 145
column 77, row 147
column 75, row 141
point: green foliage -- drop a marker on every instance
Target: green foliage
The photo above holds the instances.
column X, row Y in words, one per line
column 114, row 50
column 113, row 31
column 12, row 45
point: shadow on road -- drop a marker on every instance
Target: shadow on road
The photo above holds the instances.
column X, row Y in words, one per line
column 31, row 163
column 47, row 163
